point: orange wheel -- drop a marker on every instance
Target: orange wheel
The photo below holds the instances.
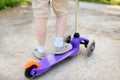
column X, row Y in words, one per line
column 30, row 63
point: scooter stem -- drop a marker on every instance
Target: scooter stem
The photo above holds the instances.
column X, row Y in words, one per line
column 76, row 14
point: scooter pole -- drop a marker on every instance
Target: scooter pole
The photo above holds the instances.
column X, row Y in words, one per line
column 76, row 15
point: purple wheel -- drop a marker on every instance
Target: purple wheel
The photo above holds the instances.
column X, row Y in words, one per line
column 90, row 48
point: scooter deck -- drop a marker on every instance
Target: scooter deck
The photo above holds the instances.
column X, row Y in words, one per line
column 52, row 59
column 47, row 62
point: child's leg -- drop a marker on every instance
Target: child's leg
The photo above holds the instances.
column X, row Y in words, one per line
column 61, row 9
column 61, row 22
column 41, row 9
column 60, row 46
column 41, row 28
column 41, row 13
column 60, row 30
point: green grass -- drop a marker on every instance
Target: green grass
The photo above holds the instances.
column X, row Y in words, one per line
column 113, row 2
column 12, row 3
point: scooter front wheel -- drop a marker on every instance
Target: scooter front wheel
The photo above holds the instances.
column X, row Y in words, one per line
column 90, row 48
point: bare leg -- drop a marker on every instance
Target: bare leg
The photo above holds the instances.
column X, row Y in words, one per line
column 61, row 22
column 60, row 30
column 41, row 28
column 60, row 46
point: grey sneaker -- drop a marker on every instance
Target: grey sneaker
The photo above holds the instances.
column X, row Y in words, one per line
column 62, row 50
column 38, row 54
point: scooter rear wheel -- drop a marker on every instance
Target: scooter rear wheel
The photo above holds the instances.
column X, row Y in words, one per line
column 28, row 68
column 90, row 48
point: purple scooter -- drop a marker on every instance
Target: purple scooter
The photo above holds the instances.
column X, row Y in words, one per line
column 34, row 69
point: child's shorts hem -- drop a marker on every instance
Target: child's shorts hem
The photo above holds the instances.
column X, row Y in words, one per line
column 41, row 8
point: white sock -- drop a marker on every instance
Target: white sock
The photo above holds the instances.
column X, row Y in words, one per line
column 41, row 48
column 59, row 42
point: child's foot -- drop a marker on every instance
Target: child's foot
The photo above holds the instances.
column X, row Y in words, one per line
column 62, row 50
column 38, row 54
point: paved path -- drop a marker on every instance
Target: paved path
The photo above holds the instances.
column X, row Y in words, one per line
column 97, row 21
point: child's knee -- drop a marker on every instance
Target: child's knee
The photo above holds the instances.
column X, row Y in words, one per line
column 61, row 7
column 43, row 19
column 61, row 16
column 58, row 0
column 41, row 8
